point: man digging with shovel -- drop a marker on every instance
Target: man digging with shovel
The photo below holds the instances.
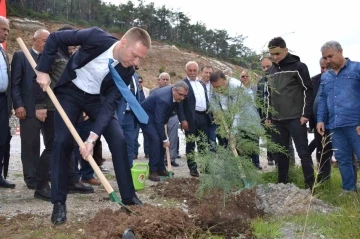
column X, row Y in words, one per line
column 92, row 84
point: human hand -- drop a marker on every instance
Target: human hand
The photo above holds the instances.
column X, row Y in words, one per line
column 87, row 150
column 320, row 127
column 303, row 120
column 43, row 79
column 41, row 114
column 358, row 130
column 267, row 122
column 166, row 144
column 185, row 125
column 20, row 113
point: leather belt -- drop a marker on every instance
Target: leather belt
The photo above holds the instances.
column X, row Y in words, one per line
column 200, row 112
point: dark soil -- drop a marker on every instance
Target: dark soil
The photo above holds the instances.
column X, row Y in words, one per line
column 229, row 218
column 149, row 222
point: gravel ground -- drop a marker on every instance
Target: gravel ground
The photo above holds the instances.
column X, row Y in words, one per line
column 82, row 207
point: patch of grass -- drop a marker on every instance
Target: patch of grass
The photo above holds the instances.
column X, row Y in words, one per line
column 295, row 176
column 343, row 223
column 266, row 229
column 18, row 175
column 110, row 177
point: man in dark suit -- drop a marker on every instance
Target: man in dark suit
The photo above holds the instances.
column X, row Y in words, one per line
column 22, row 77
column 160, row 105
column 87, row 86
column 5, row 99
column 193, row 115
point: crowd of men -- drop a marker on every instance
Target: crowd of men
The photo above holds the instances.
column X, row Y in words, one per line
column 93, row 75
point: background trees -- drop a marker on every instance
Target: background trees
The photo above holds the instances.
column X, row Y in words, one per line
column 168, row 25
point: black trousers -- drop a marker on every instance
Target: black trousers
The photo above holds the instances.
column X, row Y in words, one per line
column 36, row 167
column 201, row 131
column 4, row 125
column 287, row 128
column 323, row 154
column 74, row 101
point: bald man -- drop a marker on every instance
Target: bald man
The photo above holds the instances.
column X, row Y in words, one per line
column 22, row 77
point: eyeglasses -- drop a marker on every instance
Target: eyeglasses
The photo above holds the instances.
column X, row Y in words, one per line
column 181, row 94
column 244, row 76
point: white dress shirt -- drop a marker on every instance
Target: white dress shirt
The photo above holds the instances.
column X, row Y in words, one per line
column 4, row 78
column 89, row 77
column 199, row 93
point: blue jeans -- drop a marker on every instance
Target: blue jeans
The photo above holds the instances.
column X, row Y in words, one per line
column 212, row 137
column 345, row 141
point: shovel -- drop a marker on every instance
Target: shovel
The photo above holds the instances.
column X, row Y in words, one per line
column 74, row 133
column 162, row 178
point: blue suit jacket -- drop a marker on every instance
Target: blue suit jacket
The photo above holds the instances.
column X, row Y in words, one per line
column 159, row 106
column 93, row 42
column 121, row 110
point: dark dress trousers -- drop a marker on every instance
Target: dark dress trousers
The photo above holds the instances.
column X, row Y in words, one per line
column 22, row 77
column 5, row 108
column 198, row 122
column 100, row 108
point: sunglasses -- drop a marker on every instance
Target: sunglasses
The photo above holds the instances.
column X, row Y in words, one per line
column 180, row 94
column 244, row 76
column 140, row 81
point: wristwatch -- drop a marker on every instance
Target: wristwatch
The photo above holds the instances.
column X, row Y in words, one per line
column 93, row 142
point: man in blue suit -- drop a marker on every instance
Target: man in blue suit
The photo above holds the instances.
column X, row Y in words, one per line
column 127, row 118
column 87, row 86
column 160, row 106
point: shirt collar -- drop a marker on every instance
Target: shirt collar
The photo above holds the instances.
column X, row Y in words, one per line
column 37, row 53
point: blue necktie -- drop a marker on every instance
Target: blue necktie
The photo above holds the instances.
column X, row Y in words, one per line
column 128, row 96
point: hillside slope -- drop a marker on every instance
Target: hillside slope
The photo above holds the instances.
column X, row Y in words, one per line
column 161, row 57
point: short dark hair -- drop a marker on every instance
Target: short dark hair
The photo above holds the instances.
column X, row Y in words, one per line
column 216, row 75
column 206, row 66
column 277, row 42
column 136, row 34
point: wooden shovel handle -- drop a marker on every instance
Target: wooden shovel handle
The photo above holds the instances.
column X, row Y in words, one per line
column 168, row 152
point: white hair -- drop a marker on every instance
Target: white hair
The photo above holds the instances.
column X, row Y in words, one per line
column 331, row 44
column 4, row 19
column 192, row 63
column 164, row 74
column 39, row 31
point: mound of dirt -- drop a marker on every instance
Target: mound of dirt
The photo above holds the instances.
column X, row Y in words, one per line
column 228, row 217
column 147, row 222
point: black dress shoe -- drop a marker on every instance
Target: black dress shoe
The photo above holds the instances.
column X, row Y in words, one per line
column 6, row 184
column 154, row 176
column 174, row 164
column 163, row 172
column 58, row 215
column 194, row 172
column 30, row 186
column 43, row 193
column 133, row 201
column 80, row 188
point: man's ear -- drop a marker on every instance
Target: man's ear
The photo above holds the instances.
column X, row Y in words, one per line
column 286, row 49
column 123, row 42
